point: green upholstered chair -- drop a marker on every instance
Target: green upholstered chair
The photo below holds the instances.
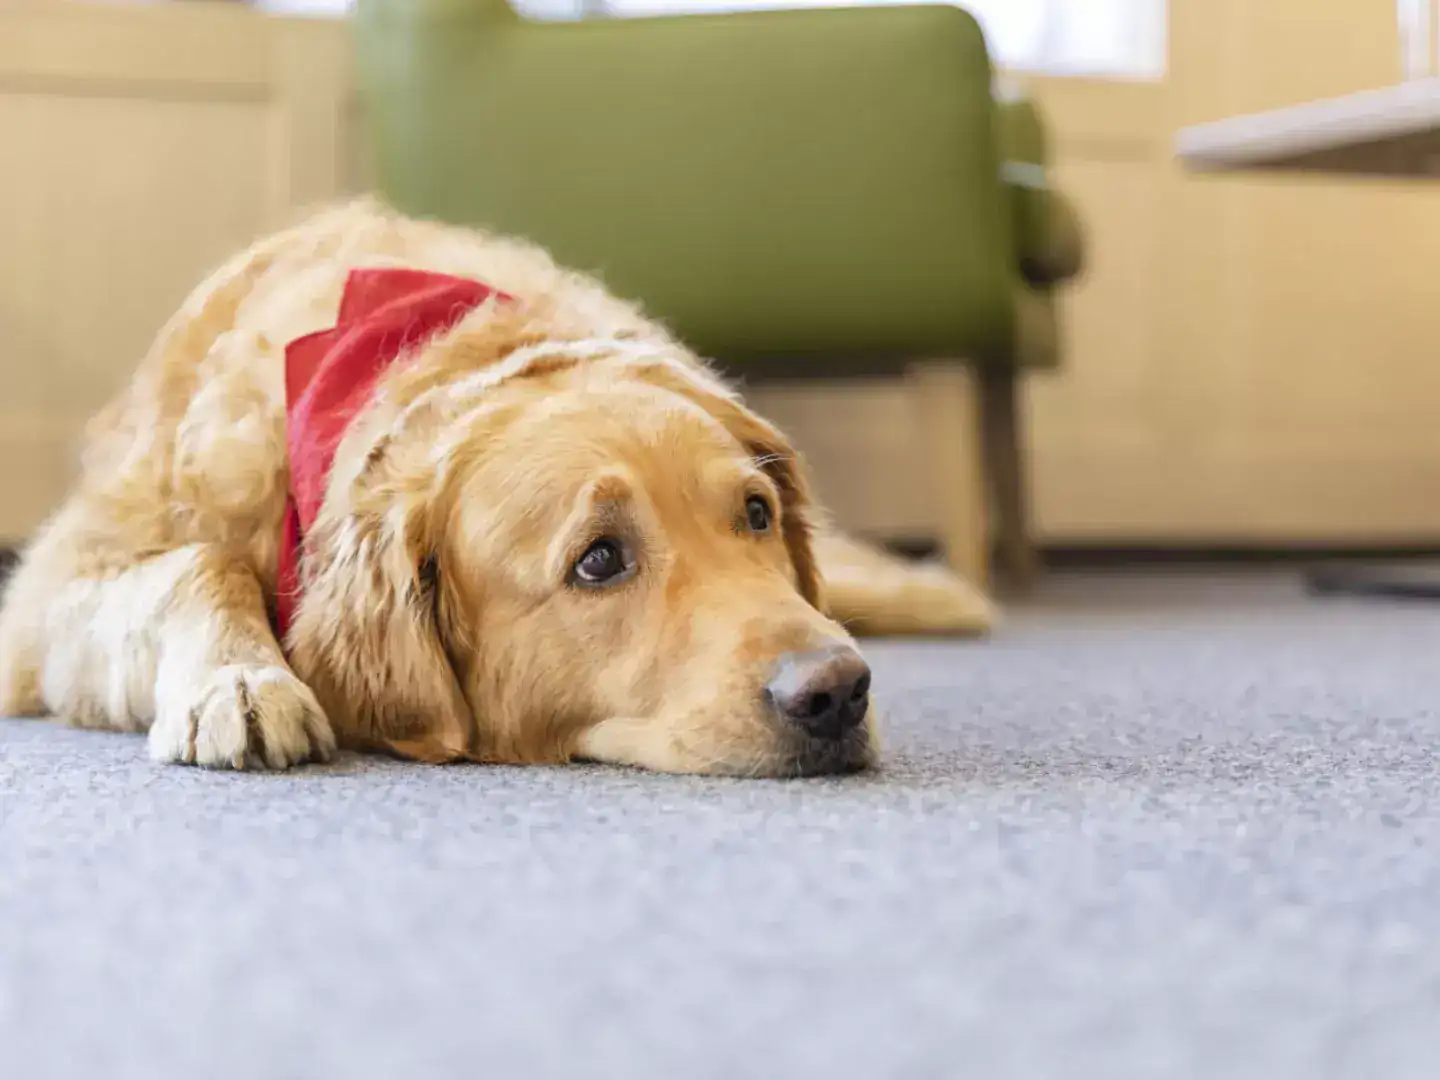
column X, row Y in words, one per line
column 797, row 193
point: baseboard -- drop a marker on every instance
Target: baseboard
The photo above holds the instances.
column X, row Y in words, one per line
column 1117, row 554
column 1082, row 556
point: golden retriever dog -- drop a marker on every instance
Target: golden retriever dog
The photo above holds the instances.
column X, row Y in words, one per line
column 392, row 485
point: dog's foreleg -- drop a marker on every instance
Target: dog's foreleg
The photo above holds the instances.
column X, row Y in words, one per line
column 180, row 645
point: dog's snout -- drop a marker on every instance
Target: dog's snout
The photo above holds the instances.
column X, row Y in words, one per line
column 825, row 692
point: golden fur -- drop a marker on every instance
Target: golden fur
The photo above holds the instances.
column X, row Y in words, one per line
column 436, row 620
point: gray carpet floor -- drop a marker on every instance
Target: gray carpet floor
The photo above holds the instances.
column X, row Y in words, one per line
column 1155, row 828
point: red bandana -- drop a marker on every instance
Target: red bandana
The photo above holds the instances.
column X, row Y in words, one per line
column 329, row 377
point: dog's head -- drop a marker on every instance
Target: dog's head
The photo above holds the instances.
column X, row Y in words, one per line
column 582, row 550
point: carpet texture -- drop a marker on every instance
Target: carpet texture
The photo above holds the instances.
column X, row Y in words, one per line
column 1153, row 829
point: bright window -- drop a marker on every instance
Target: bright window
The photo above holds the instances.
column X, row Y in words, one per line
column 1115, row 38
column 1118, row 38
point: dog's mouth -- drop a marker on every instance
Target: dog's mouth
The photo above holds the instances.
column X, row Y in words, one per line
column 793, row 756
column 768, row 746
column 852, row 753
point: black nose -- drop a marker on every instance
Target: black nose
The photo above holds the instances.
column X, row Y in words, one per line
column 824, row 692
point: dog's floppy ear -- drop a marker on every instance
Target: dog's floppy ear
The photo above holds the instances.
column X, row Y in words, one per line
column 371, row 634
column 772, row 452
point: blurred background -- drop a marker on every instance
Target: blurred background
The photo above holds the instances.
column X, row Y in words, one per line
column 1198, row 363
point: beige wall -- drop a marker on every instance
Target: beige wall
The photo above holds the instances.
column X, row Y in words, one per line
column 1250, row 359
column 1253, row 358
column 142, row 145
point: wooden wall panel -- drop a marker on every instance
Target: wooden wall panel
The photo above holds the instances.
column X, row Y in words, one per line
column 149, row 142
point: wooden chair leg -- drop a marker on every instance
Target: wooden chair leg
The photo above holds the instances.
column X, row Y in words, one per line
column 946, row 403
column 1005, row 464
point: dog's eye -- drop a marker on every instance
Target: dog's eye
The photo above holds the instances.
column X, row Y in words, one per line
column 604, row 563
column 757, row 514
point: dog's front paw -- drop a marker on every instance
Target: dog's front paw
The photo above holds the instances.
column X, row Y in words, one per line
column 241, row 717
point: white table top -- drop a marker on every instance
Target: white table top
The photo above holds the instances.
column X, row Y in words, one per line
column 1394, row 131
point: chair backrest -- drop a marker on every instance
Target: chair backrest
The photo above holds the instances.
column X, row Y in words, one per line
column 799, row 182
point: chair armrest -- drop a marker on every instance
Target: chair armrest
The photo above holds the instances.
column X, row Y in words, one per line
column 1048, row 238
column 767, row 181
